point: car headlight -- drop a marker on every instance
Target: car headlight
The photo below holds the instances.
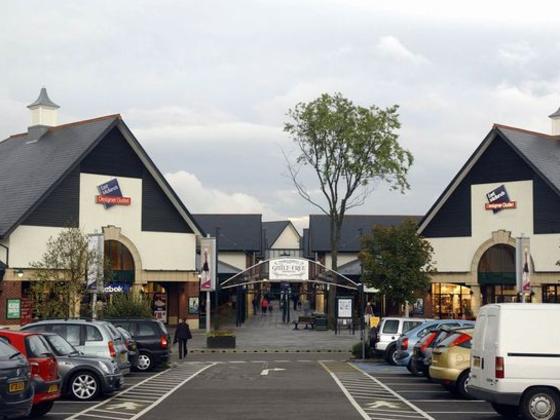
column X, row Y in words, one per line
column 105, row 367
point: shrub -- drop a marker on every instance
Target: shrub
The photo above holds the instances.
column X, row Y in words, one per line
column 123, row 305
column 357, row 350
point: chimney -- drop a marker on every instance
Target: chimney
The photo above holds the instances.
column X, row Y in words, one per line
column 555, row 118
column 43, row 115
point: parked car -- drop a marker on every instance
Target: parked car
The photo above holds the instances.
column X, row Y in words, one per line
column 422, row 351
column 92, row 338
column 451, row 362
column 152, row 339
column 83, row 377
column 131, row 345
column 44, row 368
column 405, row 344
column 16, row 390
column 390, row 329
column 515, row 362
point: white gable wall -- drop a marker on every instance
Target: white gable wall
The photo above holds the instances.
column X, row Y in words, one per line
column 288, row 239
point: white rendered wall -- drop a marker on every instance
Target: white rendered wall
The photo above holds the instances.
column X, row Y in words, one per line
column 456, row 254
column 342, row 259
column 288, row 239
column 235, row 259
column 29, row 243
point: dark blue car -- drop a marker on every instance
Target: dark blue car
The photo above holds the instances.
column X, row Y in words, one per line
column 16, row 392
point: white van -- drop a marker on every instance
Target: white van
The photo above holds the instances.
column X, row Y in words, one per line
column 515, row 359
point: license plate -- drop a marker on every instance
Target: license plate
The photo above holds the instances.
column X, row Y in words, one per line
column 52, row 388
column 16, row 387
column 476, row 361
column 123, row 357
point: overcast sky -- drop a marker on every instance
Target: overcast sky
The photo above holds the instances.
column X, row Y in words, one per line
column 205, row 86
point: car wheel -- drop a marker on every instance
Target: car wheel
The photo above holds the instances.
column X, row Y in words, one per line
column 41, row 409
column 461, row 385
column 390, row 354
column 540, row 404
column 409, row 366
column 507, row 411
column 144, row 362
column 84, row 386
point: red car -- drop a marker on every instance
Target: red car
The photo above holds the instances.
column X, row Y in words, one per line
column 44, row 368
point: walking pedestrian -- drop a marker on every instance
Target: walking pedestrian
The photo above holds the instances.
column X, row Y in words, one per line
column 264, row 305
column 182, row 335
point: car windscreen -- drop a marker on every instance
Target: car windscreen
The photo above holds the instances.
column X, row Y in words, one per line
column 36, row 347
column 390, row 326
column 124, row 332
column 409, row 325
column 60, row 346
column 115, row 334
column 464, row 340
column 6, row 351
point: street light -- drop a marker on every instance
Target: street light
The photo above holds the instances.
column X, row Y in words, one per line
column 19, row 273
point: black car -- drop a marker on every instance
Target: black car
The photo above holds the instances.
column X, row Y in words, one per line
column 16, row 391
column 152, row 340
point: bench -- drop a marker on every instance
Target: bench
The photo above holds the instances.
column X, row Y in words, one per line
column 307, row 320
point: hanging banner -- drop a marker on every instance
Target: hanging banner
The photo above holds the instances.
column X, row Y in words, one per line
column 289, row 269
column 208, row 262
column 95, row 265
column 160, row 306
column 523, row 265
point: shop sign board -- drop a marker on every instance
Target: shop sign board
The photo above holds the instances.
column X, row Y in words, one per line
column 344, row 307
column 193, row 305
column 208, row 260
column 160, row 306
column 116, row 288
column 498, row 199
column 289, row 269
column 13, row 308
column 110, row 195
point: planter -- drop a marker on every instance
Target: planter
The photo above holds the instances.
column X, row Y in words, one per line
column 220, row 342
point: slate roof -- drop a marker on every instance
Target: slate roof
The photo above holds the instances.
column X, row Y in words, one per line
column 319, row 230
column 541, row 152
column 31, row 169
column 272, row 230
column 238, row 232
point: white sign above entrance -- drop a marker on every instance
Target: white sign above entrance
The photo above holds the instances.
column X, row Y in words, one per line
column 289, row 269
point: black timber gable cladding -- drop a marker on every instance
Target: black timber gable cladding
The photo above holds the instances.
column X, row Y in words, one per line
column 499, row 163
column 62, row 207
column 111, row 157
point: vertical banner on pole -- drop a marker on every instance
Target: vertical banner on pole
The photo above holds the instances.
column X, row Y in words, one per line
column 208, row 261
column 95, row 265
column 523, row 266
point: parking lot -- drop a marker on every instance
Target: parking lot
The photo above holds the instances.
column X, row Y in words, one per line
column 430, row 399
column 141, row 393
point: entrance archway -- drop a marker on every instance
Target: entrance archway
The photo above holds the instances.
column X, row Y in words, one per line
column 496, row 274
column 121, row 262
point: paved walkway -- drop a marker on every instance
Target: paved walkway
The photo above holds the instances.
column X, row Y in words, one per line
column 267, row 332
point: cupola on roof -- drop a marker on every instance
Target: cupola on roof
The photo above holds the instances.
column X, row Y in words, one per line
column 43, row 100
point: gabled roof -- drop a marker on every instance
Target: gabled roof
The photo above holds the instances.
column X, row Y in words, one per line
column 319, row 230
column 540, row 151
column 237, row 232
column 273, row 230
column 31, row 169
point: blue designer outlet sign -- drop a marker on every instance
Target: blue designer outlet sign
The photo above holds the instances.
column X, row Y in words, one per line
column 110, row 194
column 498, row 199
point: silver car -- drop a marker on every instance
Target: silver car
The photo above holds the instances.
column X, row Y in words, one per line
column 83, row 377
column 92, row 338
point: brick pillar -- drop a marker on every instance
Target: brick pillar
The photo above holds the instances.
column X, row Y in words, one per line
column 8, row 290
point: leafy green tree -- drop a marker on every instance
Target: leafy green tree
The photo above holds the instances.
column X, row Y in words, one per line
column 350, row 149
column 60, row 276
column 123, row 305
column 397, row 261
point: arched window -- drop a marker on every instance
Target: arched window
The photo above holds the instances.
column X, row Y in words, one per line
column 496, row 274
column 122, row 263
column 498, row 259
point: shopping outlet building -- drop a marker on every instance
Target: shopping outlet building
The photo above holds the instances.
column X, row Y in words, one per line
column 509, row 187
column 94, row 175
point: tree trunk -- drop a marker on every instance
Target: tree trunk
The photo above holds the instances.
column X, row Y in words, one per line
column 335, row 239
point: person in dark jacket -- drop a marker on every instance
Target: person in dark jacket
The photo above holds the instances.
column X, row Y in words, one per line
column 182, row 335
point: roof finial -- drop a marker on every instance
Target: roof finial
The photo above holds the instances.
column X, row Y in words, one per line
column 43, row 100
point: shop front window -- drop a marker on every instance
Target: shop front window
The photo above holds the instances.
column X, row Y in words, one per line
column 499, row 293
column 451, row 301
column 551, row 293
